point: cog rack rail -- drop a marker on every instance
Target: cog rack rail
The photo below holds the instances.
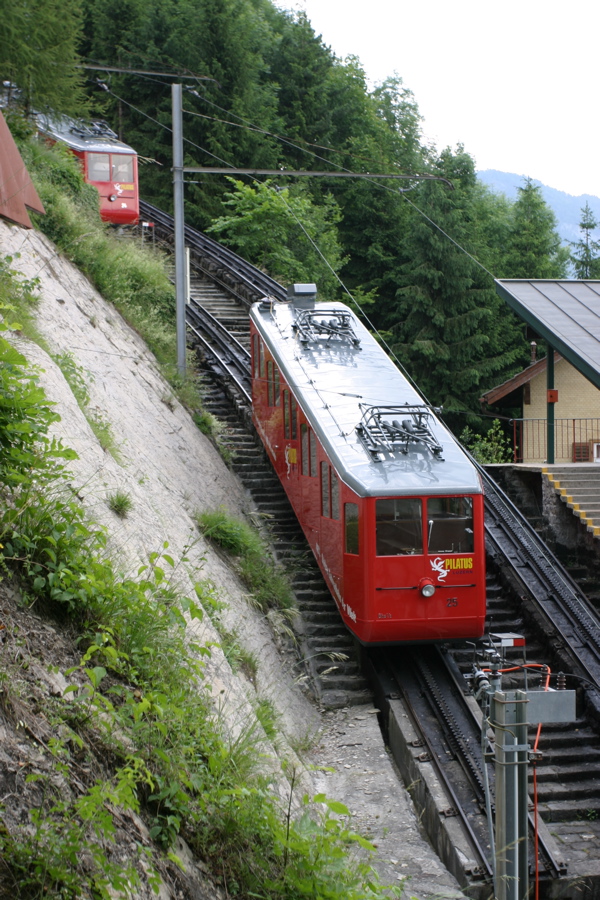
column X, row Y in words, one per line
column 381, row 434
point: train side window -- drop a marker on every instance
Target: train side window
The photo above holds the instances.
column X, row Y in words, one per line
column 294, row 417
column 270, row 383
column 256, row 355
column 325, row 493
column 450, row 525
column 98, row 167
column 335, row 496
column 287, row 431
column 304, row 446
column 351, row 528
column 398, row 526
column 276, row 388
column 122, row 167
column 313, row 452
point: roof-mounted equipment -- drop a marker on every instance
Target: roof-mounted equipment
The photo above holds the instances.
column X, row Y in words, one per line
column 302, row 296
column 381, row 434
column 324, row 325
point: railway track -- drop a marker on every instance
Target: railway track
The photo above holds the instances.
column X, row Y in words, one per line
column 427, row 708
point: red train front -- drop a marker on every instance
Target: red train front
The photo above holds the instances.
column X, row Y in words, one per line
column 390, row 504
column 107, row 163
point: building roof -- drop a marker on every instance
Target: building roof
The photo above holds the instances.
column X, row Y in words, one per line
column 517, row 381
column 565, row 313
column 17, row 193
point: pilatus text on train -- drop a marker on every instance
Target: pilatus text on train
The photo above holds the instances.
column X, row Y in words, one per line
column 390, row 504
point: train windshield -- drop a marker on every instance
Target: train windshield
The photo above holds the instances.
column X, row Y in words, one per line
column 122, row 167
column 399, row 526
column 110, row 167
column 450, row 524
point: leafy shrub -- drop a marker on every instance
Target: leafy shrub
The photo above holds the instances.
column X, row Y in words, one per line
column 493, row 447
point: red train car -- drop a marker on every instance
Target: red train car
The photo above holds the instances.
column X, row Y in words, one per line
column 107, row 163
column 390, row 504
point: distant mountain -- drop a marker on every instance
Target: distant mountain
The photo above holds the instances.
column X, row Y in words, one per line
column 566, row 208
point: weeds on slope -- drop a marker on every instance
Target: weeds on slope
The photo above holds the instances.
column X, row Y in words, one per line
column 130, row 276
column 268, row 583
column 137, row 702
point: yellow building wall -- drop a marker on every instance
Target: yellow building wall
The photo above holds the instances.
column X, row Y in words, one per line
column 576, row 414
column 577, row 397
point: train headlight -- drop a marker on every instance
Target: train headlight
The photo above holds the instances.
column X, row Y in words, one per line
column 427, row 587
column 112, row 198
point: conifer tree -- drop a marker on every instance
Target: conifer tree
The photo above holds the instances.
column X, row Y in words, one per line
column 38, row 54
column 586, row 255
column 534, row 246
column 452, row 332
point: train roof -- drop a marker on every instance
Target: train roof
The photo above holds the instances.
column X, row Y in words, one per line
column 375, row 427
column 93, row 137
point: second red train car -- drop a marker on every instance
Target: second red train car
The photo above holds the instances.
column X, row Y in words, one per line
column 390, row 504
column 108, row 164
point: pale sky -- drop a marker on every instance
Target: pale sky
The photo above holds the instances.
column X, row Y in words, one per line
column 517, row 82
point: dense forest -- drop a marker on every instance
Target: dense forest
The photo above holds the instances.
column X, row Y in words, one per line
column 261, row 89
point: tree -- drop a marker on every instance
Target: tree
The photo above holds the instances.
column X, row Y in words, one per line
column 534, row 246
column 38, row 53
column 451, row 330
column 280, row 230
column 586, row 256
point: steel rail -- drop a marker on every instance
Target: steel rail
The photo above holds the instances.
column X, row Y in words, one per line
column 557, row 596
column 545, row 842
column 425, row 688
column 222, row 347
column 209, row 254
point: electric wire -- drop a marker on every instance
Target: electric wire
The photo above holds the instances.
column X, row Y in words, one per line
column 252, row 127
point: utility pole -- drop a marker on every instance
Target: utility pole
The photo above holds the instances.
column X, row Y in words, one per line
column 179, row 222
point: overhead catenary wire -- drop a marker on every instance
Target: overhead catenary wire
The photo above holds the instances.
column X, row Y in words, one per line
column 248, row 125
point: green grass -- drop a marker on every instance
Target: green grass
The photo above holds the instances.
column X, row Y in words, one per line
column 120, row 503
column 231, row 534
column 268, row 583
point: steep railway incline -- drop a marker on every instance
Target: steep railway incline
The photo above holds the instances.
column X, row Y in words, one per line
column 424, row 698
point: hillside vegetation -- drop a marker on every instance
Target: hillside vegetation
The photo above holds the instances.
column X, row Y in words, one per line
column 117, row 772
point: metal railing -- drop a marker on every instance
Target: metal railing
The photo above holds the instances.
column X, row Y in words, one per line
column 575, row 440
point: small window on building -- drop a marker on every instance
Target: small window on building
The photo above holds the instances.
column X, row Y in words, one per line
column 351, row 528
column 450, row 525
column 325, row 493
column 398, row 526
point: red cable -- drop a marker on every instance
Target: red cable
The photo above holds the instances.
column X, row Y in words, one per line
column 535, row 801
